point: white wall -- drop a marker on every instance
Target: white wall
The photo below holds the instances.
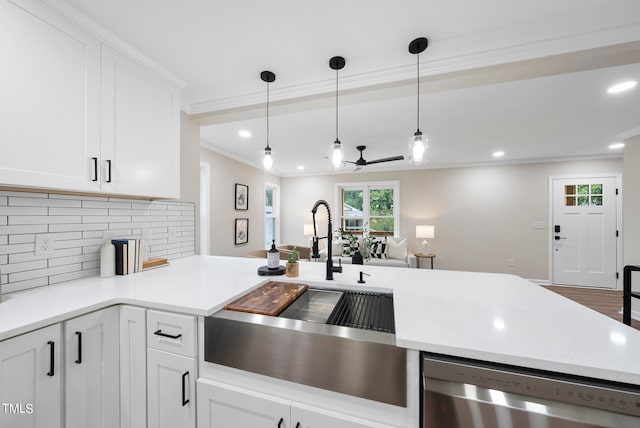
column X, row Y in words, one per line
column 631, row 211
column 190, row 167
column 483, row 215
column 225, row 172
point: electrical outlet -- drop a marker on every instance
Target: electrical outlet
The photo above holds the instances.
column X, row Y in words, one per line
column 173, row 234
column 511, row 262
column 45, row 245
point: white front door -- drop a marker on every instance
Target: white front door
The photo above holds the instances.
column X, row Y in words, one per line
column 584, row 232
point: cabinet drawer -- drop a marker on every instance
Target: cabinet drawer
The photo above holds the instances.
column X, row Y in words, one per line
column 172, row 333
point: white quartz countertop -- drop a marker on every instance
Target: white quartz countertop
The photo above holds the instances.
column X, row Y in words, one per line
column 491, row 317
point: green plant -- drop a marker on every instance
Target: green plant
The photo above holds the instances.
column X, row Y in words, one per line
column 293, row 257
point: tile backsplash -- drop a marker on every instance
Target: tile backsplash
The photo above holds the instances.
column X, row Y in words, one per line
column 77, row 226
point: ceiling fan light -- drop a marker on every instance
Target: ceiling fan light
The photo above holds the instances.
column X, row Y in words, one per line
column 337, row 155
column 267, row 160
column 417, row 148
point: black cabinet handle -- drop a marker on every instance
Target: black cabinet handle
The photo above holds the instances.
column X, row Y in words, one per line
column 170, row 336
column 184, row 392
column 79, row 360
column 298, row 425
column 95, row 169
column 109, row 170
column 52, row 347
column 280, row 422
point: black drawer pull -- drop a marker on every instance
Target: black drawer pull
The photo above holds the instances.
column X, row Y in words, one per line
column 51, row 357
column 298, row 425
column 170, row 336
column 79, row 360
column 184, row 392
column 280, row 422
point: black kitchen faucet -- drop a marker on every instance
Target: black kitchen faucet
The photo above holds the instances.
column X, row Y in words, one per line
column 330, row 268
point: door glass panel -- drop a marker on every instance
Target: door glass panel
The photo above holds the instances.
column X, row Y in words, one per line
column 583, row 200
column 583, row 189
column 570, row 190
column 596, row 189
column 596, row 200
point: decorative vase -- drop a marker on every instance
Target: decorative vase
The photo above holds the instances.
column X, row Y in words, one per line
column 356, row 258
column 292, row 269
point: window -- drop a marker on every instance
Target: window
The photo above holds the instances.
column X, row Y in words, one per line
column 374, row 204
column 583, row 194
column 271, row 214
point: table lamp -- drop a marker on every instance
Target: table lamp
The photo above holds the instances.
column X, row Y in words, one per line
column 425, row 231
column 308, row 231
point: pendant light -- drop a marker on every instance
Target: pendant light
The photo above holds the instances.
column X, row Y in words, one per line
column 336, row 153
column 267, row 160
column 419, row 143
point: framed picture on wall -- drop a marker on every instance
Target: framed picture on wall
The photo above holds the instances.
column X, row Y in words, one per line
column 242, row 197
column 242, row 231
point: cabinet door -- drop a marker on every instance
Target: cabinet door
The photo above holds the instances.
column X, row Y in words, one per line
column 140, row 129
column 303, row 416
column 171, row 390
column 133, row 367
column 30, row 380
column 222, row 406
column 92, row 389
column 50, row 103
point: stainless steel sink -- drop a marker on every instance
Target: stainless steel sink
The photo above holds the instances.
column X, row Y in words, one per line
column 357, row 358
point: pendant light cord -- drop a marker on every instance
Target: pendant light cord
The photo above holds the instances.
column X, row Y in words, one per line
column 336, row 104
column 267, row 114
column 418, row 94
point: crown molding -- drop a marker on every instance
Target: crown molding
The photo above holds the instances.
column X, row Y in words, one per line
column 76, row 17
column 629, row 134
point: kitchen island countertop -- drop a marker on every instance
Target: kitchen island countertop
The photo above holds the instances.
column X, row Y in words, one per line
column 491, row 317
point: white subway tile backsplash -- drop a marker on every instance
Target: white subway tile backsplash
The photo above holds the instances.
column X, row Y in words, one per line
column 78, row 224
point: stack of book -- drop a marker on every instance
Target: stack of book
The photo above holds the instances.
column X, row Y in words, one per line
column 129, row 255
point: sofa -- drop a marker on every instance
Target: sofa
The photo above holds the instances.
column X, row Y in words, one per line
column 285, row 250
column 394, row 253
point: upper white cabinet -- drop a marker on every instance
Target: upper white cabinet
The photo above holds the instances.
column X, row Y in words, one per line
column 31, row 380
column 79, row 116
column 140, row 129
column 50, row 102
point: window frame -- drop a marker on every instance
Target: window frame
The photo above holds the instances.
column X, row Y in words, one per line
column 366, row 187
column 275, row 214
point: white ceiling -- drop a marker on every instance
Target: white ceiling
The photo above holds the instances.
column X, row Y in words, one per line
column 498, row 74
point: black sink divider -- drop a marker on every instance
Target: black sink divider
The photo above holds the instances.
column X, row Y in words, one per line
column 364, row 310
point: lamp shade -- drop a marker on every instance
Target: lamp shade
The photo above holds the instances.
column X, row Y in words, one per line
column 425, row 231
column 308, row 230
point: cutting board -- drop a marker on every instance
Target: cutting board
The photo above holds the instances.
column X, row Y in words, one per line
column 268, row 299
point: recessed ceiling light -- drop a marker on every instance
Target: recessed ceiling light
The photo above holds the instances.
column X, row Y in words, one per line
column 615, row 146
column 621, row 87
column 498, row 154
column 300, row 167
column 244, row 133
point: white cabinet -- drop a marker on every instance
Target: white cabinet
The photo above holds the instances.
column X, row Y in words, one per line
column 92, row 373
column 79, row 116
column 31, row 380
column 133, row 367
column 140, row 126
column 221, row 406
column 50, row 103
column 171, row 370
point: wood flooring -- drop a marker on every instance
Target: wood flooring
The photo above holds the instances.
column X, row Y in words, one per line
column 607, row 302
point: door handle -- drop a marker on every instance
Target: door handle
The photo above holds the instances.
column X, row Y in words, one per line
column 280, row 422
column 185, row 401
column 79, row 360
column 52, row 353
column 557, row 238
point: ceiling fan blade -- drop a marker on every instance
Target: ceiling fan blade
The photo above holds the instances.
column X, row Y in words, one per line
column 358, row 168
column 351, row 162
column 389, row 159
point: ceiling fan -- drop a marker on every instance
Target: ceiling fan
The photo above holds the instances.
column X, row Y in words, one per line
column 362, row 162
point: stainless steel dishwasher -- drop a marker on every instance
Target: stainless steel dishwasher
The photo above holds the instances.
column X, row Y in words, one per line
column 460, row 393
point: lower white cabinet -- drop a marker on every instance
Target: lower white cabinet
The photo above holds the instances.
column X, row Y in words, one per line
column 92, row 370
column 222, row 406
column 133, row 367
column 31, row 380
column 171, row 390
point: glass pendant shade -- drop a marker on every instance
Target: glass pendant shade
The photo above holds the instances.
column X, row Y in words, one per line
column 417, row 148
column 336, row 155
column 267, row 161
